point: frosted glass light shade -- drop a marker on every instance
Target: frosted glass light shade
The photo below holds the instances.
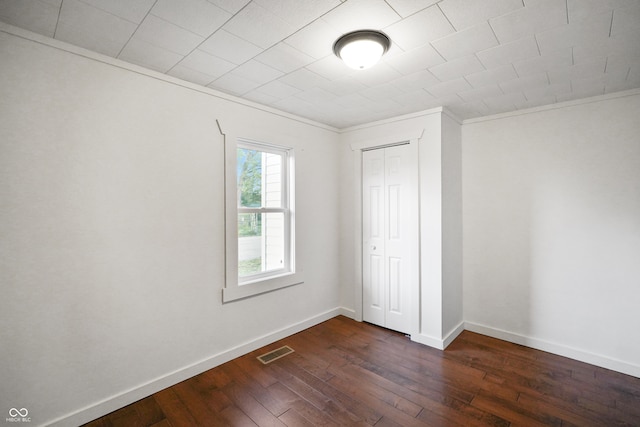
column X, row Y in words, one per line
column 361, row 49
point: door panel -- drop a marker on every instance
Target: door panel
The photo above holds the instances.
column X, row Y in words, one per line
column 394, row 212
column 377, row 282
column 376, row 205
column 395, row 285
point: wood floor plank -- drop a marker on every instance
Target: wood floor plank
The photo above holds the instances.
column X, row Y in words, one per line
column 437, row 409
column 99, row 422
column 308, row 411
column 386, row 422
column 126, row 418
column 314, row 361
column 199, row 405
column 251, row 377
column 292, row 418
column 233, row 416
column 383, row 391
column 305, row 386
column 299, row 387
column 213, row 396
column 246, row 366
column 426, row 385
column 396, row 368
column 173, row 408
column 387, row 391
column 215, row 377
column 346, row 373
column 531, row 377
column 362, row 393
column 251, row 407
column 513, row 412
column 547, row 405
column 567, row 389
column 624, row 413
column 342, row 401
column 149, row 411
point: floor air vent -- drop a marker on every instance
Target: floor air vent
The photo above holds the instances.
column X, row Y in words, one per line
column 275, row 354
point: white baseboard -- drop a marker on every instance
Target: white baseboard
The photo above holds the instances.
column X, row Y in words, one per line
column 347, row 312
column 561, row 350
column 125, row 398
column 428, row 340
column 453, row 334
column 439, row 343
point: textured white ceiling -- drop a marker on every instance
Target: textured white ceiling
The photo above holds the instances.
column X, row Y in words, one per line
column 476, row 57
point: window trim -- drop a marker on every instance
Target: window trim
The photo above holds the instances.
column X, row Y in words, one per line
column 235, row 288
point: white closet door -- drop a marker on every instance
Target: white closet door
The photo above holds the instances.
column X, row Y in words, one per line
column 390, row 236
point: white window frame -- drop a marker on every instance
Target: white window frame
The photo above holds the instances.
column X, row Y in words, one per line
column 284, row 209
column 239, row 288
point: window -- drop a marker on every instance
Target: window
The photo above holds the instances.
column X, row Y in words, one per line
column 261, row 254
column 264, row 216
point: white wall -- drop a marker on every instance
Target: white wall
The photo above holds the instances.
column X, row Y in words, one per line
column 431, row 238
column 452, row 304
column 441, row 232
column 112, row 231
column 552, row 229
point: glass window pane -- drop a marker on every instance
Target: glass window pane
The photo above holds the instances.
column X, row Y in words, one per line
column 249, row 224
column 274, row 241
column 273, row 180
column 249, row 173
column 259, row 178
column 261, row 243
column 249, row 244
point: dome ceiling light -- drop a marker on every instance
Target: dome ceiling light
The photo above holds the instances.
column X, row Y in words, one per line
column 361, row 49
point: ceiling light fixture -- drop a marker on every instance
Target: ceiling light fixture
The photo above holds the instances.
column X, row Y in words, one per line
column 361, row 49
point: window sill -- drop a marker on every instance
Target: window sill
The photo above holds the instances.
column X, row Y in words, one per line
column 237, row 292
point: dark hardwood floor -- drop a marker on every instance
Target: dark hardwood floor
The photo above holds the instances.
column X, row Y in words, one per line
column 348, row 373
